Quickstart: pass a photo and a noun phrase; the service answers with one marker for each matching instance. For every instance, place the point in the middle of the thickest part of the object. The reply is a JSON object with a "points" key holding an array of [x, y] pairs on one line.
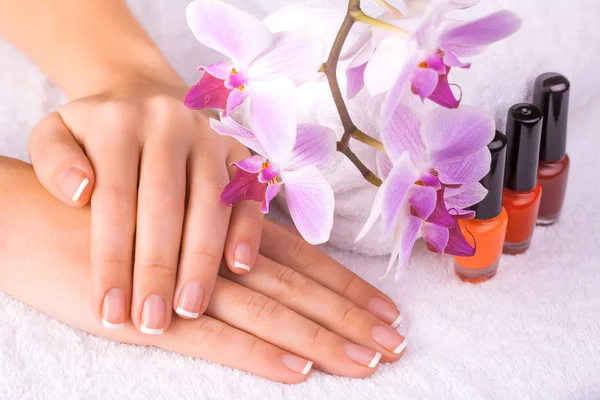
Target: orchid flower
{"points": [[265, 68], [383, 60], [432, 168], [260, 178]]}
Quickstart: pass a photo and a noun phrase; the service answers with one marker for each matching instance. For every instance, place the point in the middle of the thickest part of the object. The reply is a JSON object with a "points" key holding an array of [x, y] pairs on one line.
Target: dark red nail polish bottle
{"points": [[522, 191], [551, 95]]}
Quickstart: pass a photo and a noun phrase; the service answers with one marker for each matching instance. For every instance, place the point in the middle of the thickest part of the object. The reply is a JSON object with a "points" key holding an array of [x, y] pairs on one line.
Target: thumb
{"points": [[60, 163]]}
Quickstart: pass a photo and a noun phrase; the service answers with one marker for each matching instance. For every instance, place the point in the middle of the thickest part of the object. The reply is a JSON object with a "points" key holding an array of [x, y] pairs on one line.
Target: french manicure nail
{"points": [[296, 364], [362, 355], [389, 339], [72, 182], [242, 256], [153, 316], [190, 300], [385, 311], [113, 309]]}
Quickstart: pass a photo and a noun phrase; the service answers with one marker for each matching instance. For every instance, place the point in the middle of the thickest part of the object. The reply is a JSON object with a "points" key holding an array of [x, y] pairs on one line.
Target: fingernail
{"points": [[385, 311], [153, 316], [113, 309], [190, 300], [242, 256], [296, 364], [389, 339], [72, 182], [362, 355]]}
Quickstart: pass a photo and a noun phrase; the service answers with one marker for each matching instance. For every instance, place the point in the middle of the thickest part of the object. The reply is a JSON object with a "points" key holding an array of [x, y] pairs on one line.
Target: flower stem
{"points": [[360, 16], [387, 6], [350, 130]]}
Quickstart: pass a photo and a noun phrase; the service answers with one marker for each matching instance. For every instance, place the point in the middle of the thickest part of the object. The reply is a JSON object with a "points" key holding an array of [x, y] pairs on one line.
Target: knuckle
{"points": [[317, 338], [121, 113], [291, 283], [253, 347], [262, 308], [211, 331], [299, 249], [350, 316], [159, 272], [348, 288], [205, 257]]}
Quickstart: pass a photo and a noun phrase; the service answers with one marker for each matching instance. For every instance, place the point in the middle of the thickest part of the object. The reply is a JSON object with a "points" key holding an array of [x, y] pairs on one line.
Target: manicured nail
{"points": [[242, 256], [296, 364], [153, 316], [190, 300], [113, 309], [385, 311], [72, 182], [362, 355], [389, 339]]}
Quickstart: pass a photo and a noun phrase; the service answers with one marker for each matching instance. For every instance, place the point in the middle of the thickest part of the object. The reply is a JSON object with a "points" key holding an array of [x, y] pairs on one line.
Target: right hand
{"points": [[296, 307]]}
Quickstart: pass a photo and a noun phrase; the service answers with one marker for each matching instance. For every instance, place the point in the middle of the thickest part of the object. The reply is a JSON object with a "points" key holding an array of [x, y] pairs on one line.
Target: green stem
{"points": [[362, 17], [366, 139], [387, 6], [366, 172]]}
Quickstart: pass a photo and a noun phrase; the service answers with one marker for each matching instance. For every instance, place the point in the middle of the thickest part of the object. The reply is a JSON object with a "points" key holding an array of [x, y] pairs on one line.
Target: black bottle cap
{"points": [[491, 206], [551, 95], [523, 133]]}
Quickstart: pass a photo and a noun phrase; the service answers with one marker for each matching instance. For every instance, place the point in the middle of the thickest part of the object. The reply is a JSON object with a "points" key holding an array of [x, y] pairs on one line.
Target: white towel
{"points": [[530, 333]]}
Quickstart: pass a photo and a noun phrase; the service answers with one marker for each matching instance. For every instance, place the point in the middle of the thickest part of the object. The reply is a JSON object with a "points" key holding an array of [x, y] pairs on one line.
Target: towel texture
{"points": [[530, 333]]}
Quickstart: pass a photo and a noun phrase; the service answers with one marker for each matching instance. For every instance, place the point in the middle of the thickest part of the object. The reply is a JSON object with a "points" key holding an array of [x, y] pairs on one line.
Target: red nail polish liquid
{"points": [[522, 192], [551, 95]]}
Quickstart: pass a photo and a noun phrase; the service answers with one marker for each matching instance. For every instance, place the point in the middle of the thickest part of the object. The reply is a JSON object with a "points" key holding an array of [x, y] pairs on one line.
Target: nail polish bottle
{"points": [[488, 229], [522, 191], [551, 95]]}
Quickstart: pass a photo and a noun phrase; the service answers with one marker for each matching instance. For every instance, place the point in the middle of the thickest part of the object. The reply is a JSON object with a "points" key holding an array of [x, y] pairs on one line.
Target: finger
{"points": [[216, 341], [243, 238], [60, 163], [284, 247], [205, 230], [323, 306], [266, 318], [161, 202]]}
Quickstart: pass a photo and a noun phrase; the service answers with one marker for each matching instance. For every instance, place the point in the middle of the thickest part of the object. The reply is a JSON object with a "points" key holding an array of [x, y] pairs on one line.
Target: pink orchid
{"points": [[432, 171], [265, 69], [385, 62], [260, 178]]}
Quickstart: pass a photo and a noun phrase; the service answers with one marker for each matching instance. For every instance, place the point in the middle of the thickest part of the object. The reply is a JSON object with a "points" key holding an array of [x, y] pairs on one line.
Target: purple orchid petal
{"points": [[236, 81], [436, 236], [401, 133], [471, 38], [253, 165], [386, 63], [457, 244], [315, 145], [470, 169], [443, 95], [431, 180], [407, 240], [220, 70], [293, 55], [440, 215], [451, 135], [394, 95], [452, 61], [459, 214], [272, 191], [243, 186], [424, 82], [426, 33], [436, 63], [422, 200], [236, 99], [268, 174], [462, 4], [465, 196], [401, 179], [228, 127], [356, 80], [273, 117], [311, 202], [228, 30], [384, 164], [210, 92], [357, 46]]}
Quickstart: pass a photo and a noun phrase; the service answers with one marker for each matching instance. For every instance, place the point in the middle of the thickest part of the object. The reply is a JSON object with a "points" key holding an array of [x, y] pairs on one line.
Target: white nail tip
{"points": [[401, 347], [80, 190], [307, 368], [241, 266], [150, 331], [375, 360], [398, 321], [185, 313], [111, 326]]}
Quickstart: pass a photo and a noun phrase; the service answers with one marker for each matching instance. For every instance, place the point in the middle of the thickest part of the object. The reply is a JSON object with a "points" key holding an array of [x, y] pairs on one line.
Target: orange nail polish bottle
{"points": [[488, 229], [522, 191], [551, 95]]}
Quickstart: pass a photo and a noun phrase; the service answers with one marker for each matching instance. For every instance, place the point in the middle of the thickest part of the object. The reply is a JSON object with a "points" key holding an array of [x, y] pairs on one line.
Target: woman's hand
{"points": [[154, 172]]}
